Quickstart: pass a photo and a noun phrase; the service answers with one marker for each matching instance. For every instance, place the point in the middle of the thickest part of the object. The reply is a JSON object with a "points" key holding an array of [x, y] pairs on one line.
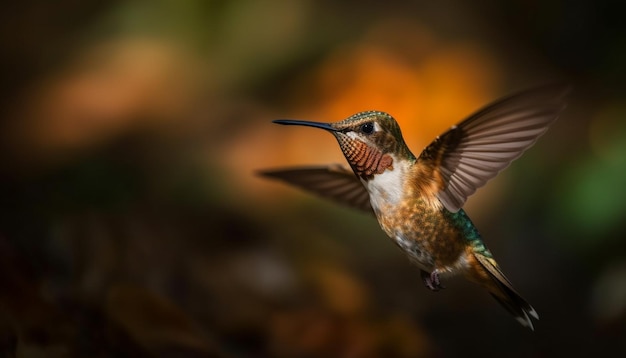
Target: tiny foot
{"points": [[431, 280]]}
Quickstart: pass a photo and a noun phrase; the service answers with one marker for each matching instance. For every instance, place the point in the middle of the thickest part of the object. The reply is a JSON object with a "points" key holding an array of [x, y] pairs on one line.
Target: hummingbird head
{"points": [[370, 141]]}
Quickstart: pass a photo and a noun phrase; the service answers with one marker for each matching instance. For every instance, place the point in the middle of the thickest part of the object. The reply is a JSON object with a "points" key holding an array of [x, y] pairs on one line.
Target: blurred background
{"points": [[132, 223]]}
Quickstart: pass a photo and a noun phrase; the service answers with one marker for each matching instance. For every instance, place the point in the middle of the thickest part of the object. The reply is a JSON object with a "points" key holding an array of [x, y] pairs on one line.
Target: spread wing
{"points": [[477, 149], [333, 182]]}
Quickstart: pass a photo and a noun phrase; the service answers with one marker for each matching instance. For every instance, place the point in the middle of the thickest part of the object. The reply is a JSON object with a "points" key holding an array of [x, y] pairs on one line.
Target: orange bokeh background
{"points": [[133, 222]]}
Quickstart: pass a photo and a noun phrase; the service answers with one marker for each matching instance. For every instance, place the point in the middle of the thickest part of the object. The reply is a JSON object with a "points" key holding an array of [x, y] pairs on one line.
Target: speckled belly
{"points": [[417, 253], [427, 235]]}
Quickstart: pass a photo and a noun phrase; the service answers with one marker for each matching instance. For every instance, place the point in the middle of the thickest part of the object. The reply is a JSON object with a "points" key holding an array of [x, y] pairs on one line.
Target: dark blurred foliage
{"points": [[132, 224]]}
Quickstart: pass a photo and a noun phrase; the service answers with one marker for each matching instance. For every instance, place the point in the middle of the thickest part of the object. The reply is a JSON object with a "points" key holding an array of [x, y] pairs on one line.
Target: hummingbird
{"points": [[418, 200]]}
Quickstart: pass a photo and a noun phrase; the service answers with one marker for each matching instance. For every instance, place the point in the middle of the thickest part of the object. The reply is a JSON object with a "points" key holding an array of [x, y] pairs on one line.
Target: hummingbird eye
{"points": [[367, 128]]}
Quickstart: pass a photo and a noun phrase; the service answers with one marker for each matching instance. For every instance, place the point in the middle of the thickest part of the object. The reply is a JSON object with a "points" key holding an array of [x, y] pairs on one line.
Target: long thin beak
{"points": [[293, 122]]}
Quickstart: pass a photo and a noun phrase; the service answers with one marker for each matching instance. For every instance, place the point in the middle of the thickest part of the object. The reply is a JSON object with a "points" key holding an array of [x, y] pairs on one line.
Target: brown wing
{"points": [[478, 148], [333, 182]]}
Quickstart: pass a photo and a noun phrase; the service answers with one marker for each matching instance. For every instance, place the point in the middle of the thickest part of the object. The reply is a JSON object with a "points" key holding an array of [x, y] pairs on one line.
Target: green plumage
{"points": [[469, 231]]}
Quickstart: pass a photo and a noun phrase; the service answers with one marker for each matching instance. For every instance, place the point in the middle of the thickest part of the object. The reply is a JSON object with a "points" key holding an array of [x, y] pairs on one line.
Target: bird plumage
{"points": [[418, 200]]}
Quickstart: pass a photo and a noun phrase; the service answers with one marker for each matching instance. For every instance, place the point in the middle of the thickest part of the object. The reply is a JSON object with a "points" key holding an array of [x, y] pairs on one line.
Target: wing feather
{"points": [[478, 148], [333, 182]]}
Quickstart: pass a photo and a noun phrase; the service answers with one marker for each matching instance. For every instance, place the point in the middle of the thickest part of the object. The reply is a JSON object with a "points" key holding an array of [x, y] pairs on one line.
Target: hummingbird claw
{"points": [[431, 280]]}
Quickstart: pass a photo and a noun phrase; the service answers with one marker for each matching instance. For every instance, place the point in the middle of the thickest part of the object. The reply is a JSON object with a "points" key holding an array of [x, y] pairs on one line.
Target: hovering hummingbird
{"points": [[418, 200]]}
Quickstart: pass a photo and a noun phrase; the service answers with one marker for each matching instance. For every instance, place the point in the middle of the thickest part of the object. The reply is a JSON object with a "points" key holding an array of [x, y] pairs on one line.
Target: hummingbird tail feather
{"points": [[502, 290]]}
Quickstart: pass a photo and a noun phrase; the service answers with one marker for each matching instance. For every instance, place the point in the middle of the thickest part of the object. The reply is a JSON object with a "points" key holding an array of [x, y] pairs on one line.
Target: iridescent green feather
{"points": [[470, 233]]}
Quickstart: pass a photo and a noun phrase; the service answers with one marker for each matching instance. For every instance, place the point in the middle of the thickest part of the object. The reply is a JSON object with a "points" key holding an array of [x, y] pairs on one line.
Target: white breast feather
{"points": [[387, 188]]}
